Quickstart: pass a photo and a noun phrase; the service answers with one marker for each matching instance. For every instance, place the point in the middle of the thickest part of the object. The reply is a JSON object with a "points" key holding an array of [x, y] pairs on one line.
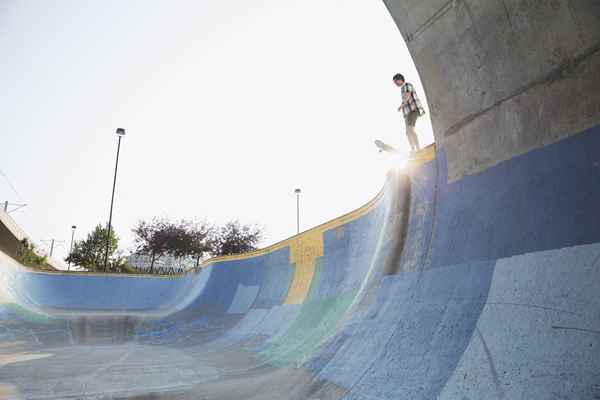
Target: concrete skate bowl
{"points": [[474, 274]]}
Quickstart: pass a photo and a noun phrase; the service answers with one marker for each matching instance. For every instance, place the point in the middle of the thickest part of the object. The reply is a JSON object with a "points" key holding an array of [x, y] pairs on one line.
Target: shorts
{"points": [[411, 118]]}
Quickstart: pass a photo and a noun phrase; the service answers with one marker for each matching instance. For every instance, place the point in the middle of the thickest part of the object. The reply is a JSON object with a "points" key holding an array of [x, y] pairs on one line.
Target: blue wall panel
{"points": [[538, 201]]}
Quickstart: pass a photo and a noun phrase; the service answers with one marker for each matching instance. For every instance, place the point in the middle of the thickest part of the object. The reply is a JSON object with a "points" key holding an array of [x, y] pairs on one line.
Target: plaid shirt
{"points": [[413, 104]]}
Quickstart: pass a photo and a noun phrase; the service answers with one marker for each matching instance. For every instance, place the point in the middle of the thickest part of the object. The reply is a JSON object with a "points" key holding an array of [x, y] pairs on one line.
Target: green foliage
{"points": [[28, 257], [90, 253], [235, 238], [197, 239], [122, 266], [179, 239]]}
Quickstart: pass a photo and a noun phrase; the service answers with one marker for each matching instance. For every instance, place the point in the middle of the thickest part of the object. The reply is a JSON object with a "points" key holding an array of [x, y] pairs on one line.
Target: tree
{"points": [[28, 256], [193, 238], [179, 239], [150, 238], [90, 253], [235, 238], [201, 239]]}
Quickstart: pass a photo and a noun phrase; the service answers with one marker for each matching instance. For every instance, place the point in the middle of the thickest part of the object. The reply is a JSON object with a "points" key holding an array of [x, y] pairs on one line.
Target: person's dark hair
{"points": [[399, 77]]}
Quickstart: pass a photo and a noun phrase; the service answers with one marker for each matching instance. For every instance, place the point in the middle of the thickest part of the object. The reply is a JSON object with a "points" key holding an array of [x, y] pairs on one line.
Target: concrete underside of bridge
{"points": [[474, 274]]}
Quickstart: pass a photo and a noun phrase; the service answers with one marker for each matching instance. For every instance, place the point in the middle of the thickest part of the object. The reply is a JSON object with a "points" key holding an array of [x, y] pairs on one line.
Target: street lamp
{"points": [[120, 133], [297, 191], [71, 250]]}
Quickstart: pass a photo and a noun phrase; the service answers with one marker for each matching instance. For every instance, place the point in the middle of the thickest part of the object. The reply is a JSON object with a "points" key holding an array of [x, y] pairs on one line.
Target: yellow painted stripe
{"points": [[424, 155], [304, 251]]}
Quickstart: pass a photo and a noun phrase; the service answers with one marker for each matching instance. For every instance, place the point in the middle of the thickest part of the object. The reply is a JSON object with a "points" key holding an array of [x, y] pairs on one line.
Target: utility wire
{"points": [[12, 186]]}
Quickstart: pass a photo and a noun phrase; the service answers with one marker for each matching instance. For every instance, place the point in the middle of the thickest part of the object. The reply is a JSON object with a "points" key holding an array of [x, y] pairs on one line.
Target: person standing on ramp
{"points": [[411, 109]]}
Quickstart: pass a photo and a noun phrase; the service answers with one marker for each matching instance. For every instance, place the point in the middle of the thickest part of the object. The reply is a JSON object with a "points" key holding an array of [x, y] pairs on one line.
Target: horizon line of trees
{"points": [[158, 237]]}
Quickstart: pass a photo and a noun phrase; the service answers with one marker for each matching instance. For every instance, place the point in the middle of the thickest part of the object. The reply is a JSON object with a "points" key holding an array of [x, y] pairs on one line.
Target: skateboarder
{"points": [[411, 109]]}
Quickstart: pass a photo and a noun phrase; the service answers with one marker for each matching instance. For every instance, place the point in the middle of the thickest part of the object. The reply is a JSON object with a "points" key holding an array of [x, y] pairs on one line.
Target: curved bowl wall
{"points": [[474, 274]]}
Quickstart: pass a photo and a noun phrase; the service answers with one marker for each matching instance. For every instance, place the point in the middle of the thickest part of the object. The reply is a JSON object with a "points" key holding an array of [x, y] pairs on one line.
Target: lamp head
{"points": [[73, 227], [297, 191], [120, 131]]}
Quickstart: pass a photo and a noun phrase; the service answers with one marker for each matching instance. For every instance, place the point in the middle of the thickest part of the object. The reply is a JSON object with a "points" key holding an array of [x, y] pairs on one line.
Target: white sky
{"points": [[228, 106]]}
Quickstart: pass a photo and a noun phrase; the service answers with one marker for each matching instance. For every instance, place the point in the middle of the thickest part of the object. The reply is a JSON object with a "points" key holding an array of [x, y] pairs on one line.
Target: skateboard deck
{"points": [[400, 155], [384, 147]]}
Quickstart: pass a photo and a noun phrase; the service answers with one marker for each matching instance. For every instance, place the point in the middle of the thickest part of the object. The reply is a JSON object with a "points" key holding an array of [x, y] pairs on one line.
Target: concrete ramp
{"points": [[423, 293], [474, 274]]}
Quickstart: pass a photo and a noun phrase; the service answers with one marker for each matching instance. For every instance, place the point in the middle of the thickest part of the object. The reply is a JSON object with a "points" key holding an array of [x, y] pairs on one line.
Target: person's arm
{"points": [[407, 95], [406, 98]]}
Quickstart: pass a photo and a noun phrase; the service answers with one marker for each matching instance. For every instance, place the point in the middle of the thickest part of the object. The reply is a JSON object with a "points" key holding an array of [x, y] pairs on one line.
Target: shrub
{"points": [[28, 256]]}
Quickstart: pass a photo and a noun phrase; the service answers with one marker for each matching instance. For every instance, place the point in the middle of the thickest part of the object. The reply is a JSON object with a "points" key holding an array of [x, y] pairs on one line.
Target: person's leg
{"points": [[411, 133], [410, 137], [407, 130], [415, 137]]}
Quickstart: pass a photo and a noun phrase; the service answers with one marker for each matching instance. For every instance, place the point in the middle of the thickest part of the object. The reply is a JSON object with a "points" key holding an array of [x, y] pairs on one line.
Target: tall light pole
{"points": [[53, 243], [297, 191], [71, 249], [120, 133]]}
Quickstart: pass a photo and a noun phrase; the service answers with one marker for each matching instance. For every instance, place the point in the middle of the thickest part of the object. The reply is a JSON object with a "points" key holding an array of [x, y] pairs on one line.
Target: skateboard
{"points": [[384, 147], [397, 154]]}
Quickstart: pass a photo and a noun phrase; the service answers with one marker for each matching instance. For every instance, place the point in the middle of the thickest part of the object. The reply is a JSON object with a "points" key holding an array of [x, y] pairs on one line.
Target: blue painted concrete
{"points": [[348, 254], [100, 292], [431, 332], [244, 297], [545, 199], [273, 267]]}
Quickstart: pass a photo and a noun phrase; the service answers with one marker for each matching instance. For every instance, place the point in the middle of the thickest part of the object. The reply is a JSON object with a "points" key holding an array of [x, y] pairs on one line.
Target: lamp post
{"points": [[120, 133], [297, 191], [71, 249]]}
